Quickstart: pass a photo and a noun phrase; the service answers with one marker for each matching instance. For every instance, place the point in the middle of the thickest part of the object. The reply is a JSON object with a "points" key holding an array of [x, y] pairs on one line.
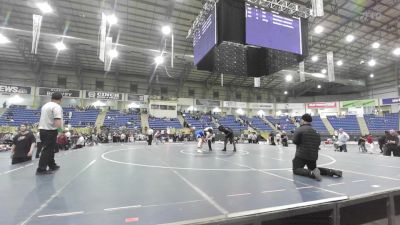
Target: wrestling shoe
{"points": [[316, 174]]}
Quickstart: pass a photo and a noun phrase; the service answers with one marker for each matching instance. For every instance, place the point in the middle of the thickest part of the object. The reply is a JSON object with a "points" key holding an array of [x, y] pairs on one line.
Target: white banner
{"points": [[229, 104], [261, 105], [37, 24], [103, 33], [290, 106], [331, 67], [257, 81], [241, 105]]}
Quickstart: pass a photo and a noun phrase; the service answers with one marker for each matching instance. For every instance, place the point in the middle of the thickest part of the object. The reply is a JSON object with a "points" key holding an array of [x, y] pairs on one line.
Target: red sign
{"points": [[321, 105]]}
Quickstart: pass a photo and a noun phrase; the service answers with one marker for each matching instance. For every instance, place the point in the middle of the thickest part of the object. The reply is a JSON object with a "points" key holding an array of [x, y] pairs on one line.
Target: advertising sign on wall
{"points": [[321, 105], [65, 92], [104, 95], [12, 89], [358, 103], [390, 101], [261, 105], [133, 97], [229, 104], [207, 102]]}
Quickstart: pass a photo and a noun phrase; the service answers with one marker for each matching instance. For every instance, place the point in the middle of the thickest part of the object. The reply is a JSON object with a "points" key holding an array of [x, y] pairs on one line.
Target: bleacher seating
{"points": [[19, 115], [163, 124], [259, 124], [202, 122], [319, 125], [31, 116], [349, 124], [284, 121], [116, 119], [230, 121], [379, 124]]}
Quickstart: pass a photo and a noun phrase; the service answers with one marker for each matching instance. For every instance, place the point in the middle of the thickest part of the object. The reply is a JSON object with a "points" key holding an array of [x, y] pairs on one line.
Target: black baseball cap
{"points": [[56, 96]]}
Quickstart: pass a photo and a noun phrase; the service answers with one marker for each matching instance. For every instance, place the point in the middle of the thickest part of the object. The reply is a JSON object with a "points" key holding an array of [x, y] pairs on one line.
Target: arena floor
{"points": [[173, 184]]}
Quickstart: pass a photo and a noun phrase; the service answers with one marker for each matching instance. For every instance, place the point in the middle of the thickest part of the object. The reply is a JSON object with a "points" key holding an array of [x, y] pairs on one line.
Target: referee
{"points": [[51, 120]]}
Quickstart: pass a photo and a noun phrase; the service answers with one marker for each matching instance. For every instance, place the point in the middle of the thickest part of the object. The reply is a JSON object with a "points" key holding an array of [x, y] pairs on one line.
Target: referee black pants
{"points": [[49, 143]]}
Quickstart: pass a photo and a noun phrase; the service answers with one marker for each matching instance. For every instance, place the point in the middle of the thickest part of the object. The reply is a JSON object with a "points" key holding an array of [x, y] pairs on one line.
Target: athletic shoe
{"points": [[46, 172], [316, 174], [337, 173], [234, 150], [210, 150], [224, 150], [199, 151], [54, 168]]}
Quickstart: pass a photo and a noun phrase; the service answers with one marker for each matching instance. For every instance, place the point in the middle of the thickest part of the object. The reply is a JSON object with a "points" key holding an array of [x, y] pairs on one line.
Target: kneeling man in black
{"points": [[307, 142]]}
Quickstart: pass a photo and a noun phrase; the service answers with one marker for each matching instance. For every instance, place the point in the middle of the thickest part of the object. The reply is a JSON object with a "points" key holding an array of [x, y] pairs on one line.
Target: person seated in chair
{"points": [[307, 142]]}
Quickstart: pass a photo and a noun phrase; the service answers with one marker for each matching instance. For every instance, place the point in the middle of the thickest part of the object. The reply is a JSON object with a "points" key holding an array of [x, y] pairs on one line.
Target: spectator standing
{"points": [[38, 144], [62, 141], [342, 140], [391, 143]]}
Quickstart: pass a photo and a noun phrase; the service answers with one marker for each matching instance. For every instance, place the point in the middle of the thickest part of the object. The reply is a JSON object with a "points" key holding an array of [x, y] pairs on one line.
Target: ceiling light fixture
{"points": [[323, 71], [112, 19], [396, 52], [376, 45], [315, 58], [371, 75], [319, 29], [339, 63], [60, 46], [166, 30], [4, 39], [113, 53], [372, 62], [350, 38], [159, 60], [285, 92], [44, 7], [319, 86], [288, 78]]}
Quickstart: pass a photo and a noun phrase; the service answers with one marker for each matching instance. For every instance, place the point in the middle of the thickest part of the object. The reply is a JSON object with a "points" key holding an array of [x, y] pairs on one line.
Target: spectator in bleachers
{"points": [[391, 143], [342, 140], [23, 145]]}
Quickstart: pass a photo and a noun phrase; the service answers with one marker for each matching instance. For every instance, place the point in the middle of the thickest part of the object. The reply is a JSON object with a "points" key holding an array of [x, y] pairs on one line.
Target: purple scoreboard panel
{"points": [[270, 30], [205, 38]]}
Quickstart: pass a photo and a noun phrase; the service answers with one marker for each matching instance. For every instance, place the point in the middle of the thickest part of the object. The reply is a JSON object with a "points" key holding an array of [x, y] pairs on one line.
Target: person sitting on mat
{"points": [[23, 145], [228, 136], [307, 142]]}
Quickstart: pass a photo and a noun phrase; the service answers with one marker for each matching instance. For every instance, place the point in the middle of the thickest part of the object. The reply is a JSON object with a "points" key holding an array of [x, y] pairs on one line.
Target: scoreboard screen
{"points": [[271, 30], [205, 38]]}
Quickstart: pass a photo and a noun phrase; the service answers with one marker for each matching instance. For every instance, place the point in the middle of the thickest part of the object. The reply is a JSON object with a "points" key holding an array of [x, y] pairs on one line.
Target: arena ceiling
{"points": [[140, 39]]}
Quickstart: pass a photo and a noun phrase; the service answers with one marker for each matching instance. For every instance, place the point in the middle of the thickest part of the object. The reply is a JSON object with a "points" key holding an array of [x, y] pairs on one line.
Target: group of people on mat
{"points": [[207, 134], [306, 139]]}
